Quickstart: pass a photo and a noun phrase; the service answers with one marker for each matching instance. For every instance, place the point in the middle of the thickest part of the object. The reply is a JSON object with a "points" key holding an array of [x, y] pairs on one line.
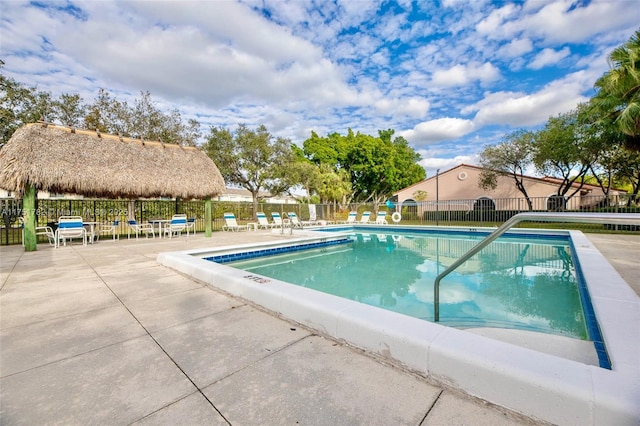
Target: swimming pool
{"points": [[498, 366], [525, 282]]}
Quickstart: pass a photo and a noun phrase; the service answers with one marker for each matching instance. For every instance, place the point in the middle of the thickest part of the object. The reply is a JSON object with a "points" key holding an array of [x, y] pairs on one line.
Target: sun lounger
{"points": [[381, 218], [231, 224]]}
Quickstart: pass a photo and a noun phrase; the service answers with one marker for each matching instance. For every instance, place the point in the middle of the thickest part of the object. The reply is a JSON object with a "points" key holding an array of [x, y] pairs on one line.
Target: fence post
{"points": [[207, 217], [29, 205]]}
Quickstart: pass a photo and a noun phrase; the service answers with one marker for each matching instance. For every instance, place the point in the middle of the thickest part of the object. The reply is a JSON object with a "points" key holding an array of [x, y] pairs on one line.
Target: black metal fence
{"points": [[477, 212]]}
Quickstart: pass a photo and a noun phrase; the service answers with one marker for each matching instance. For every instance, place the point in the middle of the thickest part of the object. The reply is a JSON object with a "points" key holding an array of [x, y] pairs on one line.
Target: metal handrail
{"points": [[600, 218]]}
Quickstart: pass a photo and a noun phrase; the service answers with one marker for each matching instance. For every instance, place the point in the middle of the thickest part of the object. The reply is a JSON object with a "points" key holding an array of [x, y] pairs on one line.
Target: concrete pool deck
{"points": [[103, 334]]}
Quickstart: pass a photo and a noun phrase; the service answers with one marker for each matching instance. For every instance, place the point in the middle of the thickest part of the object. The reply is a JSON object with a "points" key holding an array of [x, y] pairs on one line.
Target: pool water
{"points": [[526, 283]]}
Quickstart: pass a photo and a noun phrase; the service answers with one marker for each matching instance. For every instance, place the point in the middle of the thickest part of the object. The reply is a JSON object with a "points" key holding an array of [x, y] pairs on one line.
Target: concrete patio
{"points": [[104, 335]]}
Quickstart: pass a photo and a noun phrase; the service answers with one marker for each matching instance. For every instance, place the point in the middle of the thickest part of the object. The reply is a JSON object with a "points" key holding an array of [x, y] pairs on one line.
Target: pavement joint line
{"points": [[269, 354], [435, 401], [156, 342], [73, 356], [12, 269]]}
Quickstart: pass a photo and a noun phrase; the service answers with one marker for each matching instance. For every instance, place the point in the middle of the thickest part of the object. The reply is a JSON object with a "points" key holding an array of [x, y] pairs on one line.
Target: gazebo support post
{"points": [[29, 216], [207, 217]]}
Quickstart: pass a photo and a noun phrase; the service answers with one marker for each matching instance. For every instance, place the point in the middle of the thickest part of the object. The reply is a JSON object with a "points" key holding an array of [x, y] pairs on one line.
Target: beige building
{"points": [[457, 189]]}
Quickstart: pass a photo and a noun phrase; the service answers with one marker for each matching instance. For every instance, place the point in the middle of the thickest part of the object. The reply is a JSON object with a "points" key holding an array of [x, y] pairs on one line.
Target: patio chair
{"points": [[137, 228], [231, 224], [40, 230], [364, 219], [277, 220], [175, 227], [263, 222], [313, 216], [191, 225], [381, 218], [70, 227], [293, 218], [351, 219], [109, 229]]}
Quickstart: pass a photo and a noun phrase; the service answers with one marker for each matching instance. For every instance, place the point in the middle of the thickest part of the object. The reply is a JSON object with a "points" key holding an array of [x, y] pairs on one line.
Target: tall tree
{"points": [[69, 110], [20, 105], [509, 158], [628, 170], [602, 141], [109, 115], [377, 166], [618, 89], [561, 151], [252, 159]]}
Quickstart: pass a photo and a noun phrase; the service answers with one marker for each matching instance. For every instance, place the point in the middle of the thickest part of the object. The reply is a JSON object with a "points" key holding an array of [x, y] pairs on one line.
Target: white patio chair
{"points": [[40, 230], [231, 224], [351, 219], [110, 228], [175, 227], [263, 222], [70, 227], [138, 228], [364, 219], [191, 225], [277, 220], [313, 216], [295, 222], [381, 218]]}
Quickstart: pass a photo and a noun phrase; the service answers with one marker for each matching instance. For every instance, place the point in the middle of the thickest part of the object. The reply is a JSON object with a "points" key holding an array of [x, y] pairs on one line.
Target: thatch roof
{"points": [[65, 160]]}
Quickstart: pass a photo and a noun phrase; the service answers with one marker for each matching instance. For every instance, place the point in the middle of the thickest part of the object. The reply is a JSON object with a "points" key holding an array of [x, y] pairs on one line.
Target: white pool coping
{"points": [[536, 384]]}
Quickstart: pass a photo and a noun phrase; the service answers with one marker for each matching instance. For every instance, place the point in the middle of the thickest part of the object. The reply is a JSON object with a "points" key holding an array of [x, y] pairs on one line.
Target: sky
{"points": [[450, 76]]}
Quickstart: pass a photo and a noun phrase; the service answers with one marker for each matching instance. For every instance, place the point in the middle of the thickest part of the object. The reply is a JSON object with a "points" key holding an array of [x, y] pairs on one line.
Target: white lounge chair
{"points": [[263, 222], [277, 220], [381, 218], [137, 228], [295, 222], [313, 216], [231, 224], [70, 227], [351, 219], [364, 219], [175, 227]]}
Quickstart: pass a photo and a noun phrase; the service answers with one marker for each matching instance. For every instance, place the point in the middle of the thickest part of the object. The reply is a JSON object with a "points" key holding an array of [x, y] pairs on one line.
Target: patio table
{"points": [[160, 223]]}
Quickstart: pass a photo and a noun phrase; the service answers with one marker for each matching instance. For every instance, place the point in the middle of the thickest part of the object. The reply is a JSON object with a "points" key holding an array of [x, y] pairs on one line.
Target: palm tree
{"points": [[618, 96]]}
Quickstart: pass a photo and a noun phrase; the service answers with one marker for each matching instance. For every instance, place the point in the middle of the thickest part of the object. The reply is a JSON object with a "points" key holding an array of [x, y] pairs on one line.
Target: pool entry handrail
{"points": [[598, 218]]}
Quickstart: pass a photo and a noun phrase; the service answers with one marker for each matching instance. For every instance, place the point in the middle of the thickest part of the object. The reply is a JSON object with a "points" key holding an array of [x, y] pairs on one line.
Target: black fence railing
{"points": [[472, 212]]}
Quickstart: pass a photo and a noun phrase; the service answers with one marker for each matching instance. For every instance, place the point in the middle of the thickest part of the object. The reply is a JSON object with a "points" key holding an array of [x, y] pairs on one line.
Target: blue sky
{"points": [[451, 76]]}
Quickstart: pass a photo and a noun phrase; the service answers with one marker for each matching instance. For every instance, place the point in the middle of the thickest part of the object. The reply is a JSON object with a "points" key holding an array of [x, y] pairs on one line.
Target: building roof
{"points": [[65, 160], [546, 179]]}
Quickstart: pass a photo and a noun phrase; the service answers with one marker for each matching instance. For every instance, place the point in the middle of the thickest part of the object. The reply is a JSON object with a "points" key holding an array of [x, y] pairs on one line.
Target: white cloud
{"points": [[493, 23], [437, 130], [548, 57], [559, 21], [412, 107], [460, 75], [517, 47], [522, 109]]}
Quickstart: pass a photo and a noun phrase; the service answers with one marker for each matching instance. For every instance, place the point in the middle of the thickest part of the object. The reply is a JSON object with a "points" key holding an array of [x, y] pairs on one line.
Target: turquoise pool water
{"points": [[524, 283]]}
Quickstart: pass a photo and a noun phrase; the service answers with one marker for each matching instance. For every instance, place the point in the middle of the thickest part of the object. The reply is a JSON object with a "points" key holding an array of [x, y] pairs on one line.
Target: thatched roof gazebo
{"points": [[66, 160]]}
